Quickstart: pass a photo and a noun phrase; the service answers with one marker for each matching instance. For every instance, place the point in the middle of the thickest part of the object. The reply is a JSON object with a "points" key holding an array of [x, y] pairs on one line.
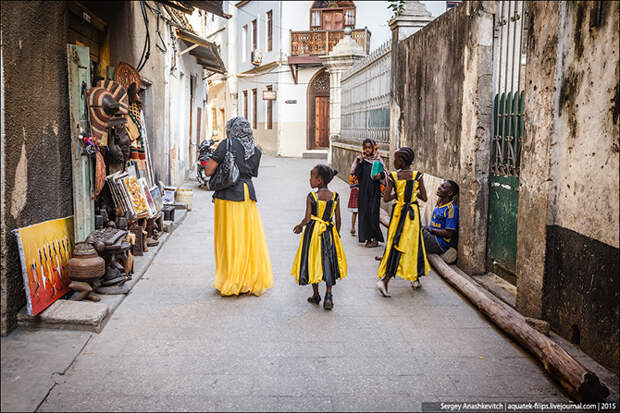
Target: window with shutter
{"points": [[269, 30], [270, 111], [315, 22], [254, 108], [349, 17], [254, 35]]}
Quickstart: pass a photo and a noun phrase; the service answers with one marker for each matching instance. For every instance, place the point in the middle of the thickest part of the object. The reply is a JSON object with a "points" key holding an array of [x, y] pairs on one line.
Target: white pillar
{"points": [[341, 58]]}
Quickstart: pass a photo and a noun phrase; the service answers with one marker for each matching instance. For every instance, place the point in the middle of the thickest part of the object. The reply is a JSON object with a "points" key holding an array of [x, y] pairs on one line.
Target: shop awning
{"points": [[187, 6], [258, 69], [205, 52]]}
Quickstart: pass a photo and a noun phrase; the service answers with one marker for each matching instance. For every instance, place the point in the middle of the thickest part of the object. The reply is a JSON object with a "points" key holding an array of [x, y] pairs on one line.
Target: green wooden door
{"points": [[78, 63], [504, 182]]}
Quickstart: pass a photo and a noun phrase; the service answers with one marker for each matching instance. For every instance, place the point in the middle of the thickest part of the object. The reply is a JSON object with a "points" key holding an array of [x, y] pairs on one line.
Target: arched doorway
{"points": [[318, 110]]}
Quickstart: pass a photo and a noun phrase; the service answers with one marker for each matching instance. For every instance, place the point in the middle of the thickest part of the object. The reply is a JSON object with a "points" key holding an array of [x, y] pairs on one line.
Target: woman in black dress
{"points": [[369, 201]]}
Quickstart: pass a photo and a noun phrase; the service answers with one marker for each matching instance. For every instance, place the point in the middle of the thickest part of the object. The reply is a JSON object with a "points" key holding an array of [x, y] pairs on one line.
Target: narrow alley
{"points": [[175, 344], [120, 121]]}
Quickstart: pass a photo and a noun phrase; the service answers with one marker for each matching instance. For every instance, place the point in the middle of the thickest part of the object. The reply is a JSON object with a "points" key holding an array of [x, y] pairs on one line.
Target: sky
{"points": [[379, 28]]}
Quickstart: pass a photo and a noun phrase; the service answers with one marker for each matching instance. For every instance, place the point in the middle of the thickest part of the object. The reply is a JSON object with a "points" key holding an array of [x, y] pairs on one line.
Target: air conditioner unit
{"points": [[257, 57]]}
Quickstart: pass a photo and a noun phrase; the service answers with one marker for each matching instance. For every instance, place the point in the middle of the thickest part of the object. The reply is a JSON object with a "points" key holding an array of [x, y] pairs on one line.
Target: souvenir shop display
{"points": [[137, 198], [111, 244], [85, 269], [156, 196], [147, 195], [169, 195], [125, 193]]}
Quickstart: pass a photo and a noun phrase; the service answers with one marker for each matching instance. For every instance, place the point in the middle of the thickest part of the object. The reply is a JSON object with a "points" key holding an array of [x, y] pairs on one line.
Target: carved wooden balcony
{"points": [[321, 42]]}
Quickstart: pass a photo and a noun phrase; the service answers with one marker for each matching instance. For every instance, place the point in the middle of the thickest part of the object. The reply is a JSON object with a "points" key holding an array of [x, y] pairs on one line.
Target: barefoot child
{"points": [[320, 256], [404, 251]]}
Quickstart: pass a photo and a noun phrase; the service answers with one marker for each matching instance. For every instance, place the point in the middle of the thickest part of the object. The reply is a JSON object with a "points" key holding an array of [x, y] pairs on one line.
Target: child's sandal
{"points": [[314, 300], [328, 304]]}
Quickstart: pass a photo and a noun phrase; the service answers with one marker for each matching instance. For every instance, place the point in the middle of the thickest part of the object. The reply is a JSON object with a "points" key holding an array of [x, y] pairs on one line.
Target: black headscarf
{"points": [[239, 128]]}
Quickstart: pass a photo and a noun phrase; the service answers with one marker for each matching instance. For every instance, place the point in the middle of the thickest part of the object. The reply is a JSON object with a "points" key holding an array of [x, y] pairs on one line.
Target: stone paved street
{"points": [[175, 344]]}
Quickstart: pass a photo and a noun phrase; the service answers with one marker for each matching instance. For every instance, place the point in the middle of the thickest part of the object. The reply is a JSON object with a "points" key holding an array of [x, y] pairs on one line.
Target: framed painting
{"points": [[44, 250], [156, 196], [147, 195], [138, 201]]}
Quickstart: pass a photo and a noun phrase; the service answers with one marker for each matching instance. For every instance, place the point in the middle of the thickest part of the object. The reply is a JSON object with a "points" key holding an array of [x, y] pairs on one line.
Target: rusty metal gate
{"points": [[507, 131]]}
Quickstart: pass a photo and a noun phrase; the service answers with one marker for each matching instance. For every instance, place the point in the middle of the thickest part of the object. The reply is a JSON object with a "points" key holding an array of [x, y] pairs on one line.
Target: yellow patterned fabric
{"points": [[404, 255], [242, 263]]}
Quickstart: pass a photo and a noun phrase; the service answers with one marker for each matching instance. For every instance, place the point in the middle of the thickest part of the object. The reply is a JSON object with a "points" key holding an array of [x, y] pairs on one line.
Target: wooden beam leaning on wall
{"points": [[579, 382]]}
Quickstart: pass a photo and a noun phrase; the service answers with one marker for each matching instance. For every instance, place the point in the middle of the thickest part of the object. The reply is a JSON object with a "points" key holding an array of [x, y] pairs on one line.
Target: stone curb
{"points": [[92, 316]]}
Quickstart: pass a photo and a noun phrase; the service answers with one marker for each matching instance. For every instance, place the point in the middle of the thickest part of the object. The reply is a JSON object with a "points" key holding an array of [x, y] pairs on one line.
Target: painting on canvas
{"points": [[44, 250]]}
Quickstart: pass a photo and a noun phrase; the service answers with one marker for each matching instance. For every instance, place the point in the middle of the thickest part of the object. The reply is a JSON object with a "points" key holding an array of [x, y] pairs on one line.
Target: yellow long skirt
{"points": [[242, 263]]}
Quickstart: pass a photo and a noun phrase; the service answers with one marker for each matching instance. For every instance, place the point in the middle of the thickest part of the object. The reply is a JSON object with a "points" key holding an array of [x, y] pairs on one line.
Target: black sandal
{"points": [[314, 300], [328, 304]]}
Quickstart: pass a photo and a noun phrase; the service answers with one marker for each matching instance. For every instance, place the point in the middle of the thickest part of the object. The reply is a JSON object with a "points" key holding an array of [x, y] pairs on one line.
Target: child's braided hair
{"points": [[325, 173]]}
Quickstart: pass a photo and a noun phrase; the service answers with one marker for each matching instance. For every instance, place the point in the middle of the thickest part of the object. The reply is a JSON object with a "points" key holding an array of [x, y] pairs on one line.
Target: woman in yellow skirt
{"points": [[242, 263], [320, 256], [404, 254]]}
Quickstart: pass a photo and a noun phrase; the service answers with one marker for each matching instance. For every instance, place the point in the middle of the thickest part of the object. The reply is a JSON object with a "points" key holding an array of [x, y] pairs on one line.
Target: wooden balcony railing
{"points": [[321, 42]]}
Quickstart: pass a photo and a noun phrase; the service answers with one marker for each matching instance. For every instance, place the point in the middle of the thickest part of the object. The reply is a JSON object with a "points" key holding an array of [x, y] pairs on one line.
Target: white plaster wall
{"points": [[584, 157], [181, 164], [292, 120], [244, 16], [216, 99], [266, 138]]}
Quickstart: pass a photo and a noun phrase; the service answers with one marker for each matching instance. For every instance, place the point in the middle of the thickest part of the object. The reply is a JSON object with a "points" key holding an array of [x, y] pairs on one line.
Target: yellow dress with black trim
{"points": [[320, 256], [404, 254], [242, 263]]}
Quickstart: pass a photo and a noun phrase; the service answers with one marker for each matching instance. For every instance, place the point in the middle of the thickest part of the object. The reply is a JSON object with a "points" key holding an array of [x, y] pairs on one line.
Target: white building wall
{"points": [[289, 134], [180, 130], [257, 10], [292, 133]]}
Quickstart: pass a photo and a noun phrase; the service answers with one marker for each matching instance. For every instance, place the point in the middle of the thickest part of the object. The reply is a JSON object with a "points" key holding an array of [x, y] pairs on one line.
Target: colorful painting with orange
{"points": [[44, 251]]}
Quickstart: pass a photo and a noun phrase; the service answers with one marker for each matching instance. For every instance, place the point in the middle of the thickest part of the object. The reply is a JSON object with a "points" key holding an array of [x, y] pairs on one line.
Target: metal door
{"points": [[507, 133], [321, 122]]}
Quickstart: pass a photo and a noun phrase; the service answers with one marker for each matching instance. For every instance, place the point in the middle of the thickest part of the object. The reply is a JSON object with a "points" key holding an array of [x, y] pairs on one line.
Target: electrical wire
{"points": [[163, 49], [146, 51]]}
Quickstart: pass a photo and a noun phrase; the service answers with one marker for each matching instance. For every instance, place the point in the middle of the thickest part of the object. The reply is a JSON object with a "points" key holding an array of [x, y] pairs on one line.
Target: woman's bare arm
{"points": [[443, 233], [210, 167], [389, 195], [338, 220], [307, 219], [422, 190]]}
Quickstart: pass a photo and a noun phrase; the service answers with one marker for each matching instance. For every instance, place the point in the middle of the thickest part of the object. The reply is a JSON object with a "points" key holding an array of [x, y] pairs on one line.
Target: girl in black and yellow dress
{"points": [[320, 256], [404, 251]]}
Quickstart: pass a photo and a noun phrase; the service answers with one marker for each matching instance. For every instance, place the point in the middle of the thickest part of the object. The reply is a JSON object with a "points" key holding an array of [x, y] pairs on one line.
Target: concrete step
{"points": [[318, 154], [499, 287]]}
